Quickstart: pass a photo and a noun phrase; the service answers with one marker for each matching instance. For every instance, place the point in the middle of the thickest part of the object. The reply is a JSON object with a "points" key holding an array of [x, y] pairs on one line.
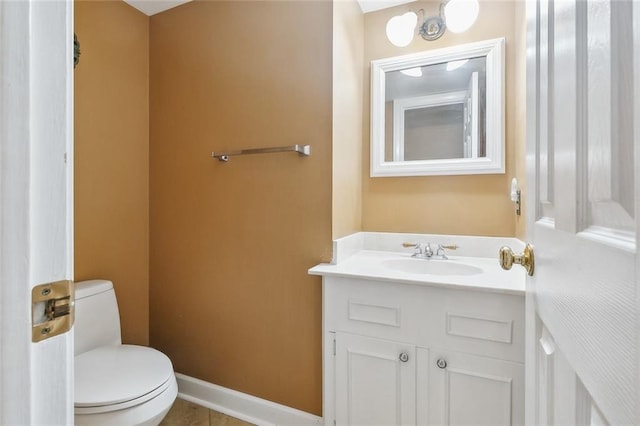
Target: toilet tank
{"points": [[97, 321]]}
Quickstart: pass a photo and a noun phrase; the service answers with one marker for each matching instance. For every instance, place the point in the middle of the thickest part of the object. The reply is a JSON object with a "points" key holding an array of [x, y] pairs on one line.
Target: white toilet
{"points": [[115, 384]]}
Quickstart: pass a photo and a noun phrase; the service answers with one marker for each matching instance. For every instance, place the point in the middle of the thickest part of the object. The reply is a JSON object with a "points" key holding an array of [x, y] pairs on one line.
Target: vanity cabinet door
{"points": [[474, 390], [375, 381]]}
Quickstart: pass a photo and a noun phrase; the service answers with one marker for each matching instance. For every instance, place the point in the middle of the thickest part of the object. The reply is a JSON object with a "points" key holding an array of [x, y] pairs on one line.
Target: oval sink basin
{"points": [[432, 267]]}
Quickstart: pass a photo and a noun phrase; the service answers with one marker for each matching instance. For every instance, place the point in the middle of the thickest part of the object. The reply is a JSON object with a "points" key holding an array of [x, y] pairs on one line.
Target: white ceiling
{"points": [[151, 7], [371, 5]]}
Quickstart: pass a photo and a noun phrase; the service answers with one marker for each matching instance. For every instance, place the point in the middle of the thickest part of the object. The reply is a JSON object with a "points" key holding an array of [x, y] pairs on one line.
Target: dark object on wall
{"points": [[76, 50]]}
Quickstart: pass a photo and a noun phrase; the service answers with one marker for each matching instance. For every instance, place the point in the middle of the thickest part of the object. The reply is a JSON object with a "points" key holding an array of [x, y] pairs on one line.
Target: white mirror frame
{"points": [[493, 163]]}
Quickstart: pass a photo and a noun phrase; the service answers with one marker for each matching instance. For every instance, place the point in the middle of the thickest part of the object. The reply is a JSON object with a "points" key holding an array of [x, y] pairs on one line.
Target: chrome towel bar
{"points": [[303, 150]]}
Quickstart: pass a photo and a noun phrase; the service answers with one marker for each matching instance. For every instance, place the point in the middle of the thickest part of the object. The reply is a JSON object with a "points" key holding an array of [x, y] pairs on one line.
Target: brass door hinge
{"points": [[52, 309]]}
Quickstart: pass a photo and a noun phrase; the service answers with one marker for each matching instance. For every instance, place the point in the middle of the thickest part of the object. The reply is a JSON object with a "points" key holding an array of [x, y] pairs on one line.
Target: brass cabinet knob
{"points": [[526, 259]]}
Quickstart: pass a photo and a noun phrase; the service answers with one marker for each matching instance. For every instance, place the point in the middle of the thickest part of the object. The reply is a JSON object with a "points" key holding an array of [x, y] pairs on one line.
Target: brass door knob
{"points": [[526, 259]]}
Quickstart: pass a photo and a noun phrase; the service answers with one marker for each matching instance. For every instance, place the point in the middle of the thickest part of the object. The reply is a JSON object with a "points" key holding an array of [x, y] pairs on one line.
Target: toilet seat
{"points": [[116, 377]]}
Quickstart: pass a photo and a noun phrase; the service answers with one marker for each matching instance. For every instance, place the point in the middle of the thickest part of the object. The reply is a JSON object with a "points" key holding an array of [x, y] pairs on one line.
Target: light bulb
{"points": [[400, 29], [412, 72], [460, 14]]}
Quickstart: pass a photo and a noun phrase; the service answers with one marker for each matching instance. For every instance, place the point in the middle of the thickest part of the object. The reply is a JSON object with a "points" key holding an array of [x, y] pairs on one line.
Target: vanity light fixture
{"points": [[400, 29], [456, 15], [461, 14]]}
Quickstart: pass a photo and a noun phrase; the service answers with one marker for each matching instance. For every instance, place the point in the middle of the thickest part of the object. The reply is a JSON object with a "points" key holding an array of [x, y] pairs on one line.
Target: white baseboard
{"points": [[240, 405]]}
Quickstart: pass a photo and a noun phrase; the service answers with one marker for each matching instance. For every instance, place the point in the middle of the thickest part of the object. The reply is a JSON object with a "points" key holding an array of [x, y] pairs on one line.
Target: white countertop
{"points": [[370, 265]]}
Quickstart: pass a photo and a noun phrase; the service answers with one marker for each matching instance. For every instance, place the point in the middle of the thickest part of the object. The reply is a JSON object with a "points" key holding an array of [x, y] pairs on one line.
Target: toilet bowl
{"points": [[115, 384]]}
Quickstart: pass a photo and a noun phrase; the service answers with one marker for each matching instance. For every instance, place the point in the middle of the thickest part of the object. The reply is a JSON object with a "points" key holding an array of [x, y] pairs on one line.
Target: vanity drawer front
{"points": [[488, 324], [383, 310]]}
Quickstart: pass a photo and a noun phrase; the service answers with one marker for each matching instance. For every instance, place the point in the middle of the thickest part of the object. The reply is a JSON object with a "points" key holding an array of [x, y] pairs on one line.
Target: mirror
{"points": [[439, 112]]}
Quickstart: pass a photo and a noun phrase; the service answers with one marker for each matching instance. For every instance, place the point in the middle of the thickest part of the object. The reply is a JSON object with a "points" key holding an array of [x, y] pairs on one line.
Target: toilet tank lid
{"points": [[92, 287]]}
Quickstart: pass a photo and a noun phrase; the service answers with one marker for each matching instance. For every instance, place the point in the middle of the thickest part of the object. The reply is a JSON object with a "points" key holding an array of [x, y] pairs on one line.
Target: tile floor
{"points": [[185, 413]]}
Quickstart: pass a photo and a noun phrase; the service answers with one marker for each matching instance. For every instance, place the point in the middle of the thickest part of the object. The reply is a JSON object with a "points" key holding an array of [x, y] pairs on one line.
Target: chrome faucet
{"points": [[422, 250], [427, 251]]}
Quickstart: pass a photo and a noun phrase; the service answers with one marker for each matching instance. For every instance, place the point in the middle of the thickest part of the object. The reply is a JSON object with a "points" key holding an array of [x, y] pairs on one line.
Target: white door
{"points": [[36, 213], [375, 381], [583, 140]]}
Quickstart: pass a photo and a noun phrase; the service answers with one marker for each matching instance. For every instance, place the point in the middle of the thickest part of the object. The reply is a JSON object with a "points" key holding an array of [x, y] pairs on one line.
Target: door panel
{"points": [[581, 153], [563, 399], [373, 386], [609, 162]]}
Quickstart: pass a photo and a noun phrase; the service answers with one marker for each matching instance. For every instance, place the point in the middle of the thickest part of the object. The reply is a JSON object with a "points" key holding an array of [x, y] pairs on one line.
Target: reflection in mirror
{"points": [[436, 111], [439, 112]]}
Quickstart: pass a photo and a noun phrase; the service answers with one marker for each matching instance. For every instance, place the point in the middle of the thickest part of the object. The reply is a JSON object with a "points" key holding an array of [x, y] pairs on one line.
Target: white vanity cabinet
{"points": [[407, 354]]}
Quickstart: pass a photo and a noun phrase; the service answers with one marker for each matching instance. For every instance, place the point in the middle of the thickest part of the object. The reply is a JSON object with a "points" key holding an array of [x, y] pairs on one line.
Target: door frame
{"points": [[36, 204]]}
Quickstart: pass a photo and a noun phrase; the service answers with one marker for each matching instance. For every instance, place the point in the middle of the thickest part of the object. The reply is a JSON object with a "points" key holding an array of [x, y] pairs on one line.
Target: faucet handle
{"points": [[442, 247], [419, 249], [427, 251]]}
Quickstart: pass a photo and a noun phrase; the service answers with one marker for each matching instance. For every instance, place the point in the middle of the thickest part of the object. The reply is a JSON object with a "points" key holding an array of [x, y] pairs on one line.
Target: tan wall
{"points": [[111, 156], [348, 66], [231, 302], [474, 205]]}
